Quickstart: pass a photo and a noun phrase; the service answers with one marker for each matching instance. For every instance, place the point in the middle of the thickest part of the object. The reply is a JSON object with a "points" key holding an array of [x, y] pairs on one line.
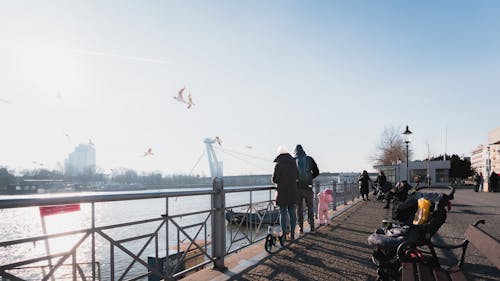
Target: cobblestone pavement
{"points": [[340, 251]]}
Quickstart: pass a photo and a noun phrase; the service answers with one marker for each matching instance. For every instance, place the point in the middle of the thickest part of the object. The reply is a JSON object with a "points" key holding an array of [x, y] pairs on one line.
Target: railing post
{"points": [[345, 193], [352, 192], [316, 200], [334, 195], [218, 224]]}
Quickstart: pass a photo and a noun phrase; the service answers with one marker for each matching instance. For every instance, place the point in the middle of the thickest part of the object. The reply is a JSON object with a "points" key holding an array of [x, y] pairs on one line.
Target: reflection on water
{"points": [[26, 222]]}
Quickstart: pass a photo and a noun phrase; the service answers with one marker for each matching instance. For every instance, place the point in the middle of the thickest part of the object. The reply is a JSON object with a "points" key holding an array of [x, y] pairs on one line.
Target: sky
{"points": [[330, 75]]}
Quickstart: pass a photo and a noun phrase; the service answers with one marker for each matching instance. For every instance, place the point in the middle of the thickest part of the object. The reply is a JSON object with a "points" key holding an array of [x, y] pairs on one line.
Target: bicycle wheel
{"points": [[268, 246]]}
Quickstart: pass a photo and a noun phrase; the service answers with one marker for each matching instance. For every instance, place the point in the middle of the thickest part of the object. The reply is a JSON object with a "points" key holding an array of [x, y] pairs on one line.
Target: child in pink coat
{"points": [[325, 198]]}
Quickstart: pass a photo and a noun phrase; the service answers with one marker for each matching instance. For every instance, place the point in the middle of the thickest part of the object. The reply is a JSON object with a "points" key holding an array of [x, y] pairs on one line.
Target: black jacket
{"points": [[381, 180], [285, 177]]}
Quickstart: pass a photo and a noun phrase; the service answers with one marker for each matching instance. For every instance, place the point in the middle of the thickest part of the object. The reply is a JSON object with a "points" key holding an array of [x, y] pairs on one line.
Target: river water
{"points": [[21, 223]]}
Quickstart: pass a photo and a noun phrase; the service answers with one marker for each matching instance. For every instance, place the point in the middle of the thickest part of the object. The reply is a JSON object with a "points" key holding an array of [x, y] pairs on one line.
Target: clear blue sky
{"points": [[327, 74]]}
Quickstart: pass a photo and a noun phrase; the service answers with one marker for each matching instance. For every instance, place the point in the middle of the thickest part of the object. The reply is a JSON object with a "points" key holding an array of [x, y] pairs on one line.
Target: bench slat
{"points": [[424, 271], [456, 274], [440, 274], [484, 243], [408, 272]]}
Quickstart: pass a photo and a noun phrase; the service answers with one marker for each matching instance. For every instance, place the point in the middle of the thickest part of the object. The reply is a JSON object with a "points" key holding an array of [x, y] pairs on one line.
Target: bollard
{"points": [[334, 195], [218, 225]]}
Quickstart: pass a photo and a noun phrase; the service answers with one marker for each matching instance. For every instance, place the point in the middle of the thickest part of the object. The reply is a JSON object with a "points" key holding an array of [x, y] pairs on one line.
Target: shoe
{"points": [[364, 199], [386, 207], [313, 228], [367, 199], [292, 236], [301, 231]]}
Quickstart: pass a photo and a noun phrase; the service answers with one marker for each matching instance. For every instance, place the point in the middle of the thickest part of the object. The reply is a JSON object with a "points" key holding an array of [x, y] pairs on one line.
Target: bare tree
{"points": [[391, 147]]}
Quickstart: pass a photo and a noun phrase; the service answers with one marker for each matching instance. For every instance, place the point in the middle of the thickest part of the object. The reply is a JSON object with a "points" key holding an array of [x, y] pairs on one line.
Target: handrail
{"points": [[48, 199], [211, 219]]}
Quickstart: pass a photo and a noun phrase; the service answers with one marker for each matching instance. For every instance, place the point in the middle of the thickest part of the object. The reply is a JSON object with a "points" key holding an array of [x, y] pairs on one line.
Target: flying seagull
{"points": [[148, 152], [218, 140], [190, 101], [180, 96]]}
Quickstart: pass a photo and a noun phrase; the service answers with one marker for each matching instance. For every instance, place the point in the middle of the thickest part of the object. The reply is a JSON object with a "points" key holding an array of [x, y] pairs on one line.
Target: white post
{"points": [[47, 246]]}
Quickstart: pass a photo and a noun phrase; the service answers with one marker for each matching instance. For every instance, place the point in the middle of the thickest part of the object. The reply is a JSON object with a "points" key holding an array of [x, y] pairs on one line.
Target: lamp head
{"points": [[407, 134]]}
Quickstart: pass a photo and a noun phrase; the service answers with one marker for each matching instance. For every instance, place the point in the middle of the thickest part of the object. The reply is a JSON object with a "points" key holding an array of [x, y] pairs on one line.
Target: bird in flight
{"points": [[190, 101], [180, 96], [148, 152], [38, 163], [3, 100], [218, 140]]}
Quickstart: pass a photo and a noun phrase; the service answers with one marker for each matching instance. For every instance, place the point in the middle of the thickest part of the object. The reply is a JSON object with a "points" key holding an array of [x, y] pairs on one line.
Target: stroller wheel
{"points": [[282, 240], [268, 245]]}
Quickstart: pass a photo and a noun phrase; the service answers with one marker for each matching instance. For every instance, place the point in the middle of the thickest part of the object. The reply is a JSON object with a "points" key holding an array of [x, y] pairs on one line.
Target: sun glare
{"points": [[49, 68], [61, 223]]}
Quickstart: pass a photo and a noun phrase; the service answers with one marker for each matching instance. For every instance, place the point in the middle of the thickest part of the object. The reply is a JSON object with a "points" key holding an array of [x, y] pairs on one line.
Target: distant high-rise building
{"points": [[81, 161]]}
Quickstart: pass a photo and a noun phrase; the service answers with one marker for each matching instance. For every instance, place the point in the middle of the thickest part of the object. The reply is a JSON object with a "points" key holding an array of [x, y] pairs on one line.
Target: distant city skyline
{"points": [[329, 75]]}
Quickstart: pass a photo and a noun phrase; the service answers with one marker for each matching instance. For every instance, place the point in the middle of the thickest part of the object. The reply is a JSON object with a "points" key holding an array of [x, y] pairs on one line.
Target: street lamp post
{"points": [[488, 169], [407, 133]]}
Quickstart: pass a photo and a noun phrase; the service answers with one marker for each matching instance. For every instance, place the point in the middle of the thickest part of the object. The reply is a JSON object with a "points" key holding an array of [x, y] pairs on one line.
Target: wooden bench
{"points": [[428, 268]]}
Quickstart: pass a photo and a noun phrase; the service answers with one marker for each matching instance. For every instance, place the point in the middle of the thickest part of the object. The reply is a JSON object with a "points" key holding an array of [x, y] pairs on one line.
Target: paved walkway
{"points": [[340, 251]]}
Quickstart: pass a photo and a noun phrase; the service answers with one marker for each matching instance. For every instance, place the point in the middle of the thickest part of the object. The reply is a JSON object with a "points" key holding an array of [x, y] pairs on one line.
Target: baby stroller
{"points": [[414, 223], [274, 234]]}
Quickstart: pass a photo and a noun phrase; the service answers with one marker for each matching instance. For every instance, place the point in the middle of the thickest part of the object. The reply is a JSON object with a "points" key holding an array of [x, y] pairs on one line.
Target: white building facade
{"points": [[478, 159], [485, 159], [437, 171], [82, 161]]}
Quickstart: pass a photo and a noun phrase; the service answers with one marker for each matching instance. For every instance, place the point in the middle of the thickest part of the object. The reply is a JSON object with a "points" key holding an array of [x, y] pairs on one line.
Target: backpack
{"points": [[303, 165]]}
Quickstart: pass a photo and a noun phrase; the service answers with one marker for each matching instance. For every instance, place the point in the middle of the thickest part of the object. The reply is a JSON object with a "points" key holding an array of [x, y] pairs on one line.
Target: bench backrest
{"points": [[486, 244]]}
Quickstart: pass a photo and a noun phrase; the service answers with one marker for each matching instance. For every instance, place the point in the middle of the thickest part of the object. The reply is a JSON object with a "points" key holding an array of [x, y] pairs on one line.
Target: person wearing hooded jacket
{"points": [[364, 181], [285, 178], [309, 168]]}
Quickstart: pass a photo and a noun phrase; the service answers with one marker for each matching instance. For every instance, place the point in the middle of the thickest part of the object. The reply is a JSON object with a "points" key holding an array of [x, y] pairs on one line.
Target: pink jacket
{"points": [[325, 198]]}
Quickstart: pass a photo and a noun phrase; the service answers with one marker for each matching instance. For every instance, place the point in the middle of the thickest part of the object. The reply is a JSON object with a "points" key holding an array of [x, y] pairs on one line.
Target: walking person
{"points": [[364, 180], [307, 171], [478, 180], [493, 182], [381, 182], [285, 178]]}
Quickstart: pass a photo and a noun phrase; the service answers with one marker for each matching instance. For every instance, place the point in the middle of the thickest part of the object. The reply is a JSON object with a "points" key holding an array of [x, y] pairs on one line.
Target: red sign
{"points": [[52, 210]]}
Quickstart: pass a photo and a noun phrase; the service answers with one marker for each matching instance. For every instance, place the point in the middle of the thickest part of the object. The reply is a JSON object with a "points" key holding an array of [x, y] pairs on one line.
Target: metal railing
{"points": [[157, 248]]}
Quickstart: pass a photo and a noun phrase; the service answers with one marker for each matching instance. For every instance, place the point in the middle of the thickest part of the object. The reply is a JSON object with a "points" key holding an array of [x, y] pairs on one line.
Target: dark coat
{"points": [[381, 180], [364, 180], [285, 177]]}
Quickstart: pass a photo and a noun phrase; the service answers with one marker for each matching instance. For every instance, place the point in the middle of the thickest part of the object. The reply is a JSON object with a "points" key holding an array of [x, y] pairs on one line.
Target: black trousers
{"points": [[305, 194]]}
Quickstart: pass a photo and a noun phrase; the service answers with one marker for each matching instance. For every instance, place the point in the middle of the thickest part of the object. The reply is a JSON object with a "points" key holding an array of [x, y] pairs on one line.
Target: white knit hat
{"points": [[282, 150]]}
